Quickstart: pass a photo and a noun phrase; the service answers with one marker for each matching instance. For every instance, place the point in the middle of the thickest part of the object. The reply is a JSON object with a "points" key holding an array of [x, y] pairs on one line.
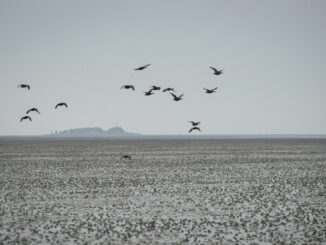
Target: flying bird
{"points": [[25, 117], [33, 109], [168, 89], [142, 67], [150, 92], [24, 86], [126, 156], [210, 91], [176, 98], [155, 87], [216, 72], [194, 128], [194, 123], [128, 87], [61, 104]]}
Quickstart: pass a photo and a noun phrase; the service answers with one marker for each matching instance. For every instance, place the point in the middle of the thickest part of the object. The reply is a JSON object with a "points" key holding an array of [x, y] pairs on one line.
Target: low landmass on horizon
{"points": [[94, 132]]}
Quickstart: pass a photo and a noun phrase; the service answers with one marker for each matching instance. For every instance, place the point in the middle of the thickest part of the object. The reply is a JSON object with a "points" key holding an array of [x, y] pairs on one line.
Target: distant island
{"points": [[94, 132]]}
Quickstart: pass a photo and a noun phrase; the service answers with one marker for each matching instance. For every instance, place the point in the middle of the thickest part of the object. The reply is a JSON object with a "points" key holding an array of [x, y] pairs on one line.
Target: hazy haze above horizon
{"points": [[81, 52]]}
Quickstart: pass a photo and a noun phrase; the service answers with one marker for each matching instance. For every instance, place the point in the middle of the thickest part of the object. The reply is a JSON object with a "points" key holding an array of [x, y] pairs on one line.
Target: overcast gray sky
{"points": [[272, 52]]}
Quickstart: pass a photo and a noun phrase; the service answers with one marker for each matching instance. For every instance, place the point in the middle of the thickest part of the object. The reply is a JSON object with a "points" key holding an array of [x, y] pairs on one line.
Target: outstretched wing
{"points": [[19, 85], [132, 87], [174, 96], [142, 67], [214, 89], [28, 87], [65, 104], [181, 96], [124, 86], [214, 69], [28, 111], [57, 106], [190, 130]]}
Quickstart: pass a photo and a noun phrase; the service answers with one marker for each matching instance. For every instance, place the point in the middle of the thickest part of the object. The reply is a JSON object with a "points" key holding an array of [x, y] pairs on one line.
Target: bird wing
{"points": [[29, 118], [21, 119], [132, 87], [192, 122], [214, 69], [28, 111], [147, 65], [123, 86], [190, 130], [198, 129], [65, 104], [181, 96], [214, 89], [28, 87], [206, 89], [19, 85], [56, 106], [174, 96], [37, 111]]}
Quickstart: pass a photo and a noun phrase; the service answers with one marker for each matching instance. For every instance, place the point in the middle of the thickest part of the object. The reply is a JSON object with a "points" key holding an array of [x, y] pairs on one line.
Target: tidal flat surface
{"points": [[204, 191]]}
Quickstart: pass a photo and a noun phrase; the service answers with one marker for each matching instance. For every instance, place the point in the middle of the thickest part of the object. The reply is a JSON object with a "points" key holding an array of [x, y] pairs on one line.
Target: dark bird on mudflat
{"points": [[126, 156], [194, 128], [194, 123], [155, 87], [168, 89], [25, 117], [24, 86], [142, 67], [128, 87], [210, 91], [176, 98], [216, 72], [33, 109], [61, 104], [150, 92]]}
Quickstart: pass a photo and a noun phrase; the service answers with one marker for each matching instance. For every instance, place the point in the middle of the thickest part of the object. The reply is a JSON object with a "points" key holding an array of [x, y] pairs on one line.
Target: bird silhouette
{"points": [[216, 72], [24, 86], [25, 117], [33, 109], [128, 87], [142, 67], [194, 123], [155, 87], [126, 156], [210, 91], [150, 92], [168, 89], [194, 128], [176, 98], [61, 104]]}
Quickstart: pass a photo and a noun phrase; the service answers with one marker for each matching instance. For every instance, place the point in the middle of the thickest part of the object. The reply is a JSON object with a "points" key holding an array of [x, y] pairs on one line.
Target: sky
{"points": [[81, 52]]}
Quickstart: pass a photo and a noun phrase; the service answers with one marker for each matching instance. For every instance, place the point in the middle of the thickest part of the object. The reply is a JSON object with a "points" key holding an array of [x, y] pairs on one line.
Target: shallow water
{"points": [[171, 192]]}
